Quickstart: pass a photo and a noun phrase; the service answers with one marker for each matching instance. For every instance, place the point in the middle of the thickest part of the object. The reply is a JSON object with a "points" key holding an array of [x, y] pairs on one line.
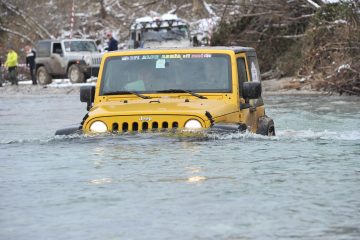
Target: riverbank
{"points": [[59, 86], [283, 86]]}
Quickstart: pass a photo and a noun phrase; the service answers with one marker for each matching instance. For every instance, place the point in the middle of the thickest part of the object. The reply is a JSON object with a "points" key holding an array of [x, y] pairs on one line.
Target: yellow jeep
{"points": [[183, 88]]}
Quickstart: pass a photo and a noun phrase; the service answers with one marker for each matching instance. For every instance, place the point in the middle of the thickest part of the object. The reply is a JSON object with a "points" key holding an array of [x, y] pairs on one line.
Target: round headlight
{"points": [[98, 127], [87, 60], [193, 124]]}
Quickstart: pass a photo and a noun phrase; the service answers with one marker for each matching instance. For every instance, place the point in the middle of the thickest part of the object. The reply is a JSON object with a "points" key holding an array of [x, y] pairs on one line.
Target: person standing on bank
{"points": [[11, 63], [30, 62], [112, 43]]}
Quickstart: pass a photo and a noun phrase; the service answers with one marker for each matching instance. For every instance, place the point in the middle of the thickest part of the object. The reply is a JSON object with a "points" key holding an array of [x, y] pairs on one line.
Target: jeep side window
{"points": [[242, 76], [43, 49], [57, 48]]}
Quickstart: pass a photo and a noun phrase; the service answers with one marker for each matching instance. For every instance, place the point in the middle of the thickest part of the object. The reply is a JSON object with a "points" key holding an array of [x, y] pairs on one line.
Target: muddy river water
{"points": [[302, 184]]}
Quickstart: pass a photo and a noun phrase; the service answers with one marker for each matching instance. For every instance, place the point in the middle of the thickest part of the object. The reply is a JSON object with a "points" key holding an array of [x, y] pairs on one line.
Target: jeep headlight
{"points": [[87, 60], [193, 124], [98, 127]]}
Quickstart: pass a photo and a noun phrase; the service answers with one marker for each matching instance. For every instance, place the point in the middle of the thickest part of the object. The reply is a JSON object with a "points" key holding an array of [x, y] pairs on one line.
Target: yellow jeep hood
{"points": [[163, 106]]}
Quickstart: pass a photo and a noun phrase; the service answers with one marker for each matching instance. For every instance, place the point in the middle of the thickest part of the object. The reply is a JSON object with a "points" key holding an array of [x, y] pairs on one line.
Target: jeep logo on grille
{"points": [[145, 119]]}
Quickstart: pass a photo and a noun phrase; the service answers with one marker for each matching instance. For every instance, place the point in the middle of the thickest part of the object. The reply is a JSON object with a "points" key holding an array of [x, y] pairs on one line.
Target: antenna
{"points": [[72, 19]]}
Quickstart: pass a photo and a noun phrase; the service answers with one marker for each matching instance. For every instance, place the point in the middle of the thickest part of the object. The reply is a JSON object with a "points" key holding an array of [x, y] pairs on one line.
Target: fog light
{"points": [[98, 127], [193, 124]]}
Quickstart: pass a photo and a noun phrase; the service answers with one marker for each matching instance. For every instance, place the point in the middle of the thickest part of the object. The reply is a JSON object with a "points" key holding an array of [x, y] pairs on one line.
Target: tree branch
{"points": [[16, 33], [26, 17]]}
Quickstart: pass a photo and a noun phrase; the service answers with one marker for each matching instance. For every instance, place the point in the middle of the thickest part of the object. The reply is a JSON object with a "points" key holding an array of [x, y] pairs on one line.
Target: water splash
{"points": [[321, 135], [42, 140], [288, 134]]}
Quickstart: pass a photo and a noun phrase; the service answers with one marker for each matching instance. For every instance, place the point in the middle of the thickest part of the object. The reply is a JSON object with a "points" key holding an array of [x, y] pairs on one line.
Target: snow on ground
{"points": [[58, 83], [344, 66]]}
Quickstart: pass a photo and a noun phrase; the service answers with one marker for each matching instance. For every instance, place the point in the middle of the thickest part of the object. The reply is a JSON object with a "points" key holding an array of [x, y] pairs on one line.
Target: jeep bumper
{"points": [[91, 71]]}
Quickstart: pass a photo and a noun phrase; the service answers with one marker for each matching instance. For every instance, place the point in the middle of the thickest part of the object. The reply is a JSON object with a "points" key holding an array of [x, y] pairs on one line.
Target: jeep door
{"points": [[255, 76], [248, 71], [56, 59]]}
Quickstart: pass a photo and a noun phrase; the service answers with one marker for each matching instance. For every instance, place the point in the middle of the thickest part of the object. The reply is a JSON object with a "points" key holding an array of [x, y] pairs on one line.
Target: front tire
{"points": [[43, 76], [266, 126], [75, 74]]}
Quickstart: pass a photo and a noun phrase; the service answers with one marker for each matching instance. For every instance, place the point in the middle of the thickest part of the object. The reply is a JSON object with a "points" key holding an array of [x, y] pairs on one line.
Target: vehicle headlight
{"points": [[87, 60], [193, 124], [98, 127]]}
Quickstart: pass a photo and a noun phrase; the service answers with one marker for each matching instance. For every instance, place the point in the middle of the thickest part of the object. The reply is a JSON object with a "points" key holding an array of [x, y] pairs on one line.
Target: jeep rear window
{"points": [[43, 49], [159, 72]]}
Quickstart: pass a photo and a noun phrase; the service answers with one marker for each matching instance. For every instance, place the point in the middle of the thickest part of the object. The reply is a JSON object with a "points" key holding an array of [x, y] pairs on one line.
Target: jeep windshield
{"points": [[167, 73], [80, 46], [165, 34]]}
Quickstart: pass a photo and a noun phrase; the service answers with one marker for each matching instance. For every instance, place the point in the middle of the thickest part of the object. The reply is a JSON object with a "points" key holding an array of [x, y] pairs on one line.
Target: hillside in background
{"points": [[316, 43]]}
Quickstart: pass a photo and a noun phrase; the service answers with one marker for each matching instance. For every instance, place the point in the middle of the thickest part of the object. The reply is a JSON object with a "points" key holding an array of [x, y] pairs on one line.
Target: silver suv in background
{"points": [[76, 59], [165, 31]]}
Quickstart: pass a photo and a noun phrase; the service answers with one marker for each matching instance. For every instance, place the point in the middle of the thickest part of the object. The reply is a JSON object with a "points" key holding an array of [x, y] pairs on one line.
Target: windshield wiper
{"points": [[126, 92], [182, 91]]}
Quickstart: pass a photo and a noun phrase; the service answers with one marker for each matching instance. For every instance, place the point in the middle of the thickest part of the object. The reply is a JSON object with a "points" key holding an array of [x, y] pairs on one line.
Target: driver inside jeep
{"points": [[142, 80]]}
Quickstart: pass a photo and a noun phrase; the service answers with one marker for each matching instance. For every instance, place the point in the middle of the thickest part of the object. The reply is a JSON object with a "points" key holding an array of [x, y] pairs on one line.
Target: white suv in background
{"points": [[76, 59]]}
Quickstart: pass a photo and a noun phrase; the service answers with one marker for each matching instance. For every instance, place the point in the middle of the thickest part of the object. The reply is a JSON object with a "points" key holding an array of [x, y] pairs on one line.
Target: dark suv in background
{"points": [[76, 59]]}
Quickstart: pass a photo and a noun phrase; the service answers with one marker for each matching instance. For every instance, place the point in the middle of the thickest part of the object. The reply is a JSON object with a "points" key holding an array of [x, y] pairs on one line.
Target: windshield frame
{"points": [[222, 91]]}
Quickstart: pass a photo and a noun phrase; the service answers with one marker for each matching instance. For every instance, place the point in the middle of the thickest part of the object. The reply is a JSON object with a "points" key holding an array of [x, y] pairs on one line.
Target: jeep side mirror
{"points": [[251, 90], [87, 94]]}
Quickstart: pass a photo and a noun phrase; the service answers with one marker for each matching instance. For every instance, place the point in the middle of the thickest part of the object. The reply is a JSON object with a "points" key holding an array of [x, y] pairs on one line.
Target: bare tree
{"points": [[28, 20], [199, 8], [102, 10]]}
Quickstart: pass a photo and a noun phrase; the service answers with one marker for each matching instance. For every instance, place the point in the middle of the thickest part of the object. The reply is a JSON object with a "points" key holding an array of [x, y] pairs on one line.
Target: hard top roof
{"points": [[236, 49]]}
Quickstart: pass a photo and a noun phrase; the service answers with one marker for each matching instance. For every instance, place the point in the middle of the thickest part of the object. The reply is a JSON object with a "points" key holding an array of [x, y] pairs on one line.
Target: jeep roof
{"points": [[236, 49]]}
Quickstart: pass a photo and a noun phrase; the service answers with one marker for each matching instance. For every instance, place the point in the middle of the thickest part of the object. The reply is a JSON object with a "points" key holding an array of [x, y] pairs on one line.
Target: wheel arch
{"points": [[72, 62], [42, 65]]}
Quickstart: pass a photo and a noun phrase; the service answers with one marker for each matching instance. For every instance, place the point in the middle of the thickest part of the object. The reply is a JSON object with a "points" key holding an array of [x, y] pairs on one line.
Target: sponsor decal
{"points": [[166, 56]]}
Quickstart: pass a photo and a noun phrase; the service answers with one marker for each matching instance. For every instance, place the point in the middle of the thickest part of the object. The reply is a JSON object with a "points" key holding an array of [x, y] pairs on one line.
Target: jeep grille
{"points": [[96, 61], [145, 123], [142, 126]]}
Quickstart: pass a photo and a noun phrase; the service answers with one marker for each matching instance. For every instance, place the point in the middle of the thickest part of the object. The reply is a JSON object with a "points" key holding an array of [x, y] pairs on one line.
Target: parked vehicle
{"points": [[187, 88], [165, 31], [76, 59]]}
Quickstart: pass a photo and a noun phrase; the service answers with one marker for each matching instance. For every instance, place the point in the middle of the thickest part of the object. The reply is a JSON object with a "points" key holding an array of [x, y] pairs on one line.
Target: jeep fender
{"points": [[69, 131], [81, 64], [46, 65], [232, 127]]}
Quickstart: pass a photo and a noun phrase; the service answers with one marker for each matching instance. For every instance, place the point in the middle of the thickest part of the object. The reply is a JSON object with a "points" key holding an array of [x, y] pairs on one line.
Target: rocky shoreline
{"points": [[283, 86]]}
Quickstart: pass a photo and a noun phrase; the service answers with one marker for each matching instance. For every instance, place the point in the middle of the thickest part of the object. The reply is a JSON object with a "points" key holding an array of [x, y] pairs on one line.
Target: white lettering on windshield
{"points": [[166, 56]]}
